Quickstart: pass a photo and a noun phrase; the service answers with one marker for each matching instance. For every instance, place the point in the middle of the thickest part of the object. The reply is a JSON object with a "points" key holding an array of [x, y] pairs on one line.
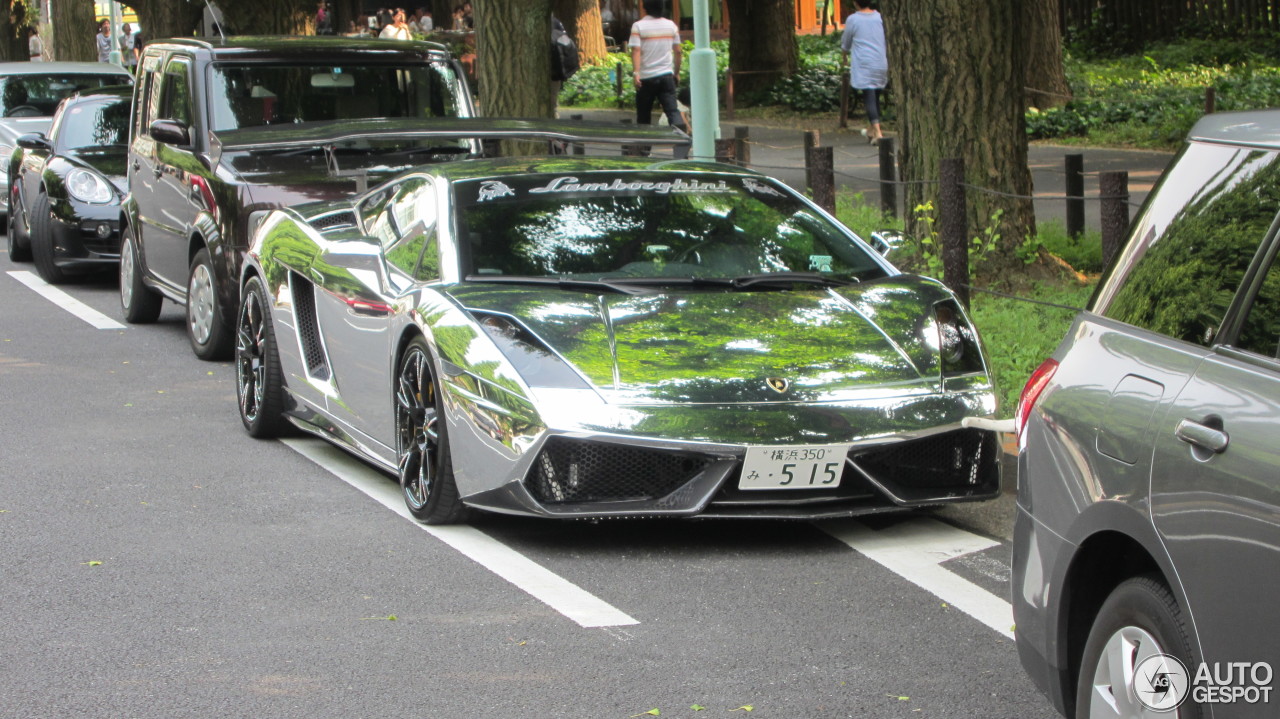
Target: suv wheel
{"points": [[1141, 619], [140, 303], [211, 336]]}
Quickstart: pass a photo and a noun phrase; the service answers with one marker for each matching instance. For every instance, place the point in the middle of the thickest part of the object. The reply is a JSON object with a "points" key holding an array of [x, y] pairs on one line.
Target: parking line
{"points": [[66, 301], [553, 590], [915, 549]]}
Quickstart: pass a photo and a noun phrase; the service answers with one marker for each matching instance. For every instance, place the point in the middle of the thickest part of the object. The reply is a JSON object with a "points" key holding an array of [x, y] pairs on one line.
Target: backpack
{"points": [[564, 55]]}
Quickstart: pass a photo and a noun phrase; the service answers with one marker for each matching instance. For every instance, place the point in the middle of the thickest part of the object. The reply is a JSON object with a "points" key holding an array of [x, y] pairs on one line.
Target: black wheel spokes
{"points": [[417, 434], [250, 364]]}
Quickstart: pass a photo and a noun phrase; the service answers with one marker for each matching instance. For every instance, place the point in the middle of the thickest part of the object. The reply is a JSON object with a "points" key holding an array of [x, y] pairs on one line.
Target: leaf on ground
{"points": [[744, 708], [389, 618], [697, 707], [899, 697], [652, 712], [93, 563]]}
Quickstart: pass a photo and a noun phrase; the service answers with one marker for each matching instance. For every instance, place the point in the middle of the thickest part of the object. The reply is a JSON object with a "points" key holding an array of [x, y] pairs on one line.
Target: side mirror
{"points": [[886, 241], [33, 141], [170, 132]]}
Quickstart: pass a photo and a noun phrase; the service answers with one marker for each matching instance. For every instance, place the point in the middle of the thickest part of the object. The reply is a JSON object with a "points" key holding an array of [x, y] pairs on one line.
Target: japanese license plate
{"points": [[811, 466]]}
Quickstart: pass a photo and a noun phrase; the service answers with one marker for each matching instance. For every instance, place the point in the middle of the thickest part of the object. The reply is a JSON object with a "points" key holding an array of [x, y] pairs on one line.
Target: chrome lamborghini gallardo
{"points": [[601, 337]]}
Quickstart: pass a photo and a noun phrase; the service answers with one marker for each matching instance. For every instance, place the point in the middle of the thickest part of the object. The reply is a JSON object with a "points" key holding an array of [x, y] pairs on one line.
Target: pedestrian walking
{"points": [[864, 49], [127, 58], [35, 45], [655, 59], [104, 41]]}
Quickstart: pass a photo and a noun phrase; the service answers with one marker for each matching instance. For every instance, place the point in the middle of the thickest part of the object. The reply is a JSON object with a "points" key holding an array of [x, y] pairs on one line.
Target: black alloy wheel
{"points": [[41, 239], [140, 304], [422, 444], [259, 382], [19, 246]]}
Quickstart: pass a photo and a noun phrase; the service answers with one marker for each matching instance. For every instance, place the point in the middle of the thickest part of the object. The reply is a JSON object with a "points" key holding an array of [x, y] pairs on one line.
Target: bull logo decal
{"points": [[492, 190]]}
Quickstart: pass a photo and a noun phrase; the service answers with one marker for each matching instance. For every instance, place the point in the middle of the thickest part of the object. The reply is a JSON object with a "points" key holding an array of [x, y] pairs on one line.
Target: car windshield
{"points": [[39, 95], [623, 226], [251, 95], [93, 124]]}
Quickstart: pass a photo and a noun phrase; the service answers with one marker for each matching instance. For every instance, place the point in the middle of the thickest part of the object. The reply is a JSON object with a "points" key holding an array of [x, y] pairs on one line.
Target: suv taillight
{"points": [[1030, 393]]}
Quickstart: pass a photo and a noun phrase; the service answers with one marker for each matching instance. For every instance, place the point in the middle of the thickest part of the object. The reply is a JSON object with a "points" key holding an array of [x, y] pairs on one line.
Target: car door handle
{"points": [[1203, 436]]}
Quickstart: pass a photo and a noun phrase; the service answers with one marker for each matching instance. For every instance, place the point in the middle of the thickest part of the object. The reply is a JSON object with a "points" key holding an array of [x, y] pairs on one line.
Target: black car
{"points": [[224, 131], [66, 188]]}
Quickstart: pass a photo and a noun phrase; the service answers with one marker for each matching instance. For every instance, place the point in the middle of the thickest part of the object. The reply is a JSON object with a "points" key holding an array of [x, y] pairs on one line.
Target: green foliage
{"points": [[596, 85], [816, 85], [1083, 253], [1019, 335]]}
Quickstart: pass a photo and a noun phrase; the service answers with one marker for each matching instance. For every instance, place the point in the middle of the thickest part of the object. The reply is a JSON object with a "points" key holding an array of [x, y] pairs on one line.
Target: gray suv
{"points": [[1147, 538]]}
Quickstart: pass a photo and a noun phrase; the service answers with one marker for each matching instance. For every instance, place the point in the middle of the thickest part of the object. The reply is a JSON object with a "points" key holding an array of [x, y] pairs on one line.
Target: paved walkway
{"points": [[779, 152]]}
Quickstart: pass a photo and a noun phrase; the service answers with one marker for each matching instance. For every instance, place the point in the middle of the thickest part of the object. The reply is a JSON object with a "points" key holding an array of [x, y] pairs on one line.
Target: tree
{"points": [[72, 24], [957, 74], [762, 43], [1046, 83], [581, 20], [273, 17], [164, 18], [13, 34], [513, 49]]}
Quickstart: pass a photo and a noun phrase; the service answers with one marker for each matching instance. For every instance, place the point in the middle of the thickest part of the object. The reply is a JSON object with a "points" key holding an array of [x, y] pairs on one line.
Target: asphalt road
{"points": [[155, 561]]}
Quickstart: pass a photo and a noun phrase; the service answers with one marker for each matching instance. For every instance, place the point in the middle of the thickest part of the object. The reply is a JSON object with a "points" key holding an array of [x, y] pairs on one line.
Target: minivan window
{"points": [[1260, 332], [176, 100], [1190, 248]]}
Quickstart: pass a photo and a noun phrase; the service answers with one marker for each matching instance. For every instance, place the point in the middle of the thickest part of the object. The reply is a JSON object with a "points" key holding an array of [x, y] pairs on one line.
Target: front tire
{"points": [[422, 444], [210, 335], [141, 304], [19, 246], [41, 239], [259, 381], [1141, 619]]}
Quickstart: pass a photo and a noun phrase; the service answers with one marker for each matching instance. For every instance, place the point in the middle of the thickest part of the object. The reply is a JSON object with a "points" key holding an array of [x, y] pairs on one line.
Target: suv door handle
{"points": [[1203, 436]]}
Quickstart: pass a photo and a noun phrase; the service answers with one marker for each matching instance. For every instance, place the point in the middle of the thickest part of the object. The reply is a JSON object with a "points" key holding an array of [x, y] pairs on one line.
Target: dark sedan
{"points": [[66, 188]]}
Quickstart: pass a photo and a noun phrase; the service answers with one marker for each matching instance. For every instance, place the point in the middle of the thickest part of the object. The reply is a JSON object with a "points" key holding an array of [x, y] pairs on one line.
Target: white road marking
{"points": [[66, 301], [556, 592], [914, 549]]}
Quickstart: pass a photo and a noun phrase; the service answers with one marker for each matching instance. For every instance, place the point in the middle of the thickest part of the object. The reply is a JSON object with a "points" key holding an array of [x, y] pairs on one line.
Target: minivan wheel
{"points": [[1141, 619], [141, 304], [211, 337]]}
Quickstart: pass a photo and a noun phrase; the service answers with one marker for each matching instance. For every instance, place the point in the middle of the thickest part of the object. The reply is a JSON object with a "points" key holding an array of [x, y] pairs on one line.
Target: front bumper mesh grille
{"points": [[570, 471], [953, 461]]}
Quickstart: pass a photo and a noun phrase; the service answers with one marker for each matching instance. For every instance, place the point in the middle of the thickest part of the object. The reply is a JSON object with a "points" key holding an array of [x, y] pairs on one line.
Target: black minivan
{"points": [[215, 144]]}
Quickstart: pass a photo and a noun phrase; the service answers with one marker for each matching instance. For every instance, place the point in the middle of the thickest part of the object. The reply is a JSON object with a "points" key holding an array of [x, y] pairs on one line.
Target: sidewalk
{"points": [[779, 152]]}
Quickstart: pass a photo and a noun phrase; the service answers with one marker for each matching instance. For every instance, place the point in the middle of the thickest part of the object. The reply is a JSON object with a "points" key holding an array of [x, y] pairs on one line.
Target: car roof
{"points": [[1254, 128], [302, 46], [122, 92], [61, 68]]}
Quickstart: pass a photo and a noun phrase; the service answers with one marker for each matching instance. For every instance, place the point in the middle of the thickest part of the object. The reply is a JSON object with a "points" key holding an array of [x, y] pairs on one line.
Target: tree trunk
{"points": [[270, 17], [72, 26], [581, 20], [513, 57], [1046, 84], [762, 43], [11, 28], [957, 78], [162, 19]]}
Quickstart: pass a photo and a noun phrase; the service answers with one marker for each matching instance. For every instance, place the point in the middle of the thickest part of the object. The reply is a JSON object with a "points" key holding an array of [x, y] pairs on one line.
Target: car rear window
{"points": [[1190, 247], [262, 94]]}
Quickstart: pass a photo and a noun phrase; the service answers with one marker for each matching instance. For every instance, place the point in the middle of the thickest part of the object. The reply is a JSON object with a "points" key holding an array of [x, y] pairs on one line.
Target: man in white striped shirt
{"points": [[655, 59]]}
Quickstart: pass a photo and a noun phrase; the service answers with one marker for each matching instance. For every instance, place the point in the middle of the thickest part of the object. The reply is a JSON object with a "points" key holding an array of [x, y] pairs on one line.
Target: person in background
{"points": [[459, 20], [127, 58], [398, 29], [324, 19], [104, 41], [467, 16], [864, 49], [655, 59], [35, 45], [425, 23], [137, 47]]}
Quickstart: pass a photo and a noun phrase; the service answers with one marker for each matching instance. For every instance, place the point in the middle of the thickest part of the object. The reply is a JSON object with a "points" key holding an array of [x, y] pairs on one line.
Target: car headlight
{"points": [[89, 187]]}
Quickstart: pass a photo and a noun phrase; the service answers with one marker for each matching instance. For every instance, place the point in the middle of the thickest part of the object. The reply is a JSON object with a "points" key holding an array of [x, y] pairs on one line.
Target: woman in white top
{"points": [[398, 29], [35, 46]]}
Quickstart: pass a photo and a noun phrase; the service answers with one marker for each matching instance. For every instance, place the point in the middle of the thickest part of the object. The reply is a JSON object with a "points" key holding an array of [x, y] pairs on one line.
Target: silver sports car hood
{"points": [[734, 347]]}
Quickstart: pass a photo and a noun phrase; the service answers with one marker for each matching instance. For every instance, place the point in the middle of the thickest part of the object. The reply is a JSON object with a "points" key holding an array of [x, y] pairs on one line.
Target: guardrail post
{"points": [[820, 170], [1210, 100], [844, 97], [617, 79], [1114, 190], [726, 149], [1074, 166], [888, 178], [743, 149], [952, 230]]}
